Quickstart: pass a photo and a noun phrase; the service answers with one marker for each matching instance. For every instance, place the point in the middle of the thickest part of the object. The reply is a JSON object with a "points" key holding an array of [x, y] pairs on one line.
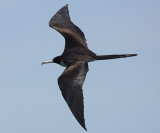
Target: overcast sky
{"points": [[120, 96]]}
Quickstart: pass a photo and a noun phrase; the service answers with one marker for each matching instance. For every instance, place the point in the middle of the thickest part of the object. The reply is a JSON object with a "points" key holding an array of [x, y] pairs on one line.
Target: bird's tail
{"points": [[107, 57]]}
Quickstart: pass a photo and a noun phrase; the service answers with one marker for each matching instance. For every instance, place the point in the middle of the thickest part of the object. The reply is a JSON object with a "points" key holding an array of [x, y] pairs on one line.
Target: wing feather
{"points": [[70, 83], [62, 23]]}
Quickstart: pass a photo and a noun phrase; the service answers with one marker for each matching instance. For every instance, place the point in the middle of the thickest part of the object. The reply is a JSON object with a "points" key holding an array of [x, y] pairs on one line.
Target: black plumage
{"points": [[75, 58]]}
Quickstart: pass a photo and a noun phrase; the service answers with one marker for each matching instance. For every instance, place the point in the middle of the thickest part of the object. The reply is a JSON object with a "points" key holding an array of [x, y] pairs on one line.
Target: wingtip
{"points": [[85, 129], [66, 5], [84, 126]]}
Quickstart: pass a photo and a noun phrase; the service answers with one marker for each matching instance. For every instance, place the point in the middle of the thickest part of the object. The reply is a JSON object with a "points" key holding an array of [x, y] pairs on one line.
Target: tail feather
{"points": [[107, 57]]}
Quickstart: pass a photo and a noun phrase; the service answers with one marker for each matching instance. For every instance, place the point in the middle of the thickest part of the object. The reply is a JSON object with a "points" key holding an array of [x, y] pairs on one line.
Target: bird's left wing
{"points": [[62, 23], [70, 83]]}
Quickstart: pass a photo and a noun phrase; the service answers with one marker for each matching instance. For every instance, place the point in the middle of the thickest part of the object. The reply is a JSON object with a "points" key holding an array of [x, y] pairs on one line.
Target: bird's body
{"points": [[75, 58], [77, 54]]}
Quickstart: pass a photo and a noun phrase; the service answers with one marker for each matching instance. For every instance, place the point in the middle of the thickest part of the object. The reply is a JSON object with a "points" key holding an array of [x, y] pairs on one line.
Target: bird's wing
{"points": [[62, 23], [70, 83]]}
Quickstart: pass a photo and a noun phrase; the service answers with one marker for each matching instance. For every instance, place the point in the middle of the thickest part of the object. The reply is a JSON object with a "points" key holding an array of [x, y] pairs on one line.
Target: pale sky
{"points": [[120, 96]]}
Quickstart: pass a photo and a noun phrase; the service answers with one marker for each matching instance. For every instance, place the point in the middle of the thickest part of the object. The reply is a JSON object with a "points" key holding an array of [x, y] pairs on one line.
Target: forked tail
{"points": [[107, 57]]}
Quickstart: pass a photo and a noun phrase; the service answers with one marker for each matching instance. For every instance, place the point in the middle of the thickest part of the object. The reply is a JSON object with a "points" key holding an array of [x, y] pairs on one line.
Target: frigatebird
{"points": [[75, 58]]}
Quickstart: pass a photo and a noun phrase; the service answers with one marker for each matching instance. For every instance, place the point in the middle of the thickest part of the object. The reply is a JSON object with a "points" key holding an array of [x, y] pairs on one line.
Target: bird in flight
{"points": [[75, 58]]}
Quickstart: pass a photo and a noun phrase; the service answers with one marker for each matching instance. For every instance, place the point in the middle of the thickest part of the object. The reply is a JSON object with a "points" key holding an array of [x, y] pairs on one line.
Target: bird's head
{"points": [[54, 60]]}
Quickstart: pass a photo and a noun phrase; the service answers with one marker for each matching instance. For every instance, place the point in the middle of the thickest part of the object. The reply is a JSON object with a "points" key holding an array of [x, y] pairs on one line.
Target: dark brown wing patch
{"points": [[62, 23], [70, 83]]}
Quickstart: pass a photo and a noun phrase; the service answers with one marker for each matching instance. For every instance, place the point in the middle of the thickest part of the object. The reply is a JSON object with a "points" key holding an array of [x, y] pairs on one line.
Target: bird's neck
{"points": [[59, 60], [62, 63]]}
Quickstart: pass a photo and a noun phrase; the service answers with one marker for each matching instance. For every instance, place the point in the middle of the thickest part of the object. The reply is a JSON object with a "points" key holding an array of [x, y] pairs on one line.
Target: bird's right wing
{"points": [[62, 23], [70, 83]]}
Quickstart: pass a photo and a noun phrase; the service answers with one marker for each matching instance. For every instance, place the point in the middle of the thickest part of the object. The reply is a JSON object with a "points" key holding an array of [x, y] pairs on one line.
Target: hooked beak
{"points": [[46, 62]]}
